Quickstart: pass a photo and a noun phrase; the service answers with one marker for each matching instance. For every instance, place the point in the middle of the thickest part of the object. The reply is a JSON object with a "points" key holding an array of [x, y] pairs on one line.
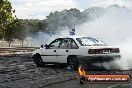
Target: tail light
{"points": [[91, 51], [95, 51], [103, 51], [115, 50]]}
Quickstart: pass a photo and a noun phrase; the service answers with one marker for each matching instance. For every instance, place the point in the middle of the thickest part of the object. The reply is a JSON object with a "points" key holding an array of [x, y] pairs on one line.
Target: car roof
{"points": [[74, 37]]}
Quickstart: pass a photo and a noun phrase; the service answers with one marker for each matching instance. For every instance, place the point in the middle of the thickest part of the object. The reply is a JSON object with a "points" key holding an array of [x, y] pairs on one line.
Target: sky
{"points": [[39, 9]]}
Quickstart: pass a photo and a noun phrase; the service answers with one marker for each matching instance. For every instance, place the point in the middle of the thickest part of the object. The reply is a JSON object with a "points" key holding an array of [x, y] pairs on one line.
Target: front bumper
{"points": [[97, 58]]}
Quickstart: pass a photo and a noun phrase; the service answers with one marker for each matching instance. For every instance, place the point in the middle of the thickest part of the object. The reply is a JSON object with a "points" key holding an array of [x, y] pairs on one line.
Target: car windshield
{"points": [[89, 41]]}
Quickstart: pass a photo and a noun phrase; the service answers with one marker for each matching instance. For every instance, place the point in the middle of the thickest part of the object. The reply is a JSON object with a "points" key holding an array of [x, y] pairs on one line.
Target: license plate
{"points": [[106, 51]]}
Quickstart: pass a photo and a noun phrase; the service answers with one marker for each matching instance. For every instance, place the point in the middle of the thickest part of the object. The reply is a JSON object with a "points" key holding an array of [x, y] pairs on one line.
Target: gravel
{"points": [[19, 71]]}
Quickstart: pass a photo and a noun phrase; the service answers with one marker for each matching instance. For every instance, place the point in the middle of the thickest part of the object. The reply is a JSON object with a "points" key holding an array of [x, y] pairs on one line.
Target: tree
{"points": [[42, 25], [66, 18], [10, 30], [93, 13], [6, 20], [21, 31]]}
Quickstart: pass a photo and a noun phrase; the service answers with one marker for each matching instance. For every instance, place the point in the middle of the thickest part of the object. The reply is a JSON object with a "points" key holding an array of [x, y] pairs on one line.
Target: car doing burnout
{"points": [[75, 50]]}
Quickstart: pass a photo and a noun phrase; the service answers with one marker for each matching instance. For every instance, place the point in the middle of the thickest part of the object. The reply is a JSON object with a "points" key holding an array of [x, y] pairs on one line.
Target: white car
{"points": [[74, 51]]}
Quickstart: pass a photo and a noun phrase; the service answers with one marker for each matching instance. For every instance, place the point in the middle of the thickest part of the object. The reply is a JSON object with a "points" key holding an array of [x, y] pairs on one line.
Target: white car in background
{"points": [[74, 51]]}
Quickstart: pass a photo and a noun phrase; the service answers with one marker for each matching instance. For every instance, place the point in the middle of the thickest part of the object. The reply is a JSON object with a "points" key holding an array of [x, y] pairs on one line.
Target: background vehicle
{"points": [[74, 51]]}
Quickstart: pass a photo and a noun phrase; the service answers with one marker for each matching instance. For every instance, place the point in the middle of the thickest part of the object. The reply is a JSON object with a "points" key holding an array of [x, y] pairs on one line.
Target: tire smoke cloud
{"points": [[114, 27]]}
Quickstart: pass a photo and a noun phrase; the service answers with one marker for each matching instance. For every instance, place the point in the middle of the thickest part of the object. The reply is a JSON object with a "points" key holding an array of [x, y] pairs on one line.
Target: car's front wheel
{"points": [[38, 60], [72, 62]]}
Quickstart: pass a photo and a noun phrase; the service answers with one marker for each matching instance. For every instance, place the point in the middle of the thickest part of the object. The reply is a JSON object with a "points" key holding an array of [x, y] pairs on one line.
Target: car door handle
{"points": [[54, 50], [67, 50]]}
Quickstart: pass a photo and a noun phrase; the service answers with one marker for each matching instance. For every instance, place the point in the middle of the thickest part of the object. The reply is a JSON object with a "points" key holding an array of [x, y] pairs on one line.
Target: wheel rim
{"points": [[39, 60]]}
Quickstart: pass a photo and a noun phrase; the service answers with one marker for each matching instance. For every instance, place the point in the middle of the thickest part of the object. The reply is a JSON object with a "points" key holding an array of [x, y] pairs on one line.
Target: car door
{"points": [[67, 47], [50, 53]]}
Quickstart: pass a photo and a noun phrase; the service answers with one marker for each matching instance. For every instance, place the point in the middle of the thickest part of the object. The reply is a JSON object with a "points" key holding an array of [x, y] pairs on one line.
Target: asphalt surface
{"points": [[21, 72]]}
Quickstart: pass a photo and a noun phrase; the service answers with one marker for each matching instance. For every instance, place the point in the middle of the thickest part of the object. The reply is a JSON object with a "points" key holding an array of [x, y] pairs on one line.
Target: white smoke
{"points": [[114, 28], [40, 38]]}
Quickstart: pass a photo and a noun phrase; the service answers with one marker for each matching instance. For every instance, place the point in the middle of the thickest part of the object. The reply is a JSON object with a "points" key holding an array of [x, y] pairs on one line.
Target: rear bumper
{"points": [[97, 58]]}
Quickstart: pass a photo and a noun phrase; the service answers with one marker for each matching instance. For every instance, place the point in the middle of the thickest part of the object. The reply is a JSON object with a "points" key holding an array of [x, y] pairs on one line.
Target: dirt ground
{"points": [[21, 72]]}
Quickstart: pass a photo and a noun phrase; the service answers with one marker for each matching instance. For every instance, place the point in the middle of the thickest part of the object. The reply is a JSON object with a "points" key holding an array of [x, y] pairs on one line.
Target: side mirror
{"points": [[42, 46], [46, 46]]}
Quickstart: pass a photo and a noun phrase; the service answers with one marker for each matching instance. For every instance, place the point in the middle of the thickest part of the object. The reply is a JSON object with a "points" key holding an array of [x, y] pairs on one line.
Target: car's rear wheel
{"points": [[38, 60], [72, 62]]}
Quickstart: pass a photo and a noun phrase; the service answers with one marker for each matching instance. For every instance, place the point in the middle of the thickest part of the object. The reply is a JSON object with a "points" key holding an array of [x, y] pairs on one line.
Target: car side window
{"points": [[73, 45], [65, 44], [68, 44], [55, 44]]}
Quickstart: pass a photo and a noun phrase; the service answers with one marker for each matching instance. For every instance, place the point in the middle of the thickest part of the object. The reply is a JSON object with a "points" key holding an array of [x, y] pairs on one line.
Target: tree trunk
{"points": [[22, 43], [2, 43], [9, 43]]}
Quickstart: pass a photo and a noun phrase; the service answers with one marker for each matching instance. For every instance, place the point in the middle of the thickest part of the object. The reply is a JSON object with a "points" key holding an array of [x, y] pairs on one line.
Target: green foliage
{"points": [[7, 22], [12, 28], [71, 18], [6, 12], [66, 18], [25, 28], [33, 25]]}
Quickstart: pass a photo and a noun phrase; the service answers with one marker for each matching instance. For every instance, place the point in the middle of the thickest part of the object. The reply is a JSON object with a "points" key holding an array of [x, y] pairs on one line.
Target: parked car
{"points": [[75, 50]]}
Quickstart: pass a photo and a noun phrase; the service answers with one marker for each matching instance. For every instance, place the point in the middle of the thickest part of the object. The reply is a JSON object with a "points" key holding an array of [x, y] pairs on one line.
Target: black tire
{"points": [[38, 60], [72, 62]]}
